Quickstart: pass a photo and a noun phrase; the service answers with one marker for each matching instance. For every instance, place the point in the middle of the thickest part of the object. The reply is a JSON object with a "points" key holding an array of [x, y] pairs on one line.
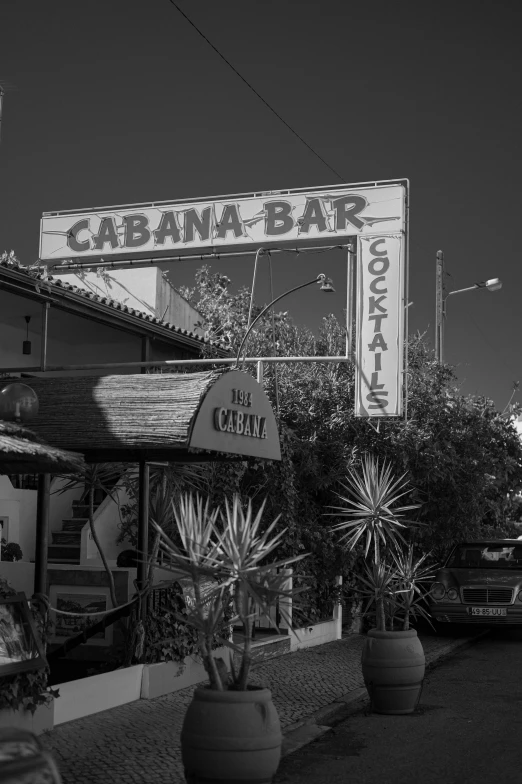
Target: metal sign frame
{"points": [[241, 224]]}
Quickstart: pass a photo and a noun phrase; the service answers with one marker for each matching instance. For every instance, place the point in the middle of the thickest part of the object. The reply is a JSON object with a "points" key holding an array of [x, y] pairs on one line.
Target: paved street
{"points": [[467, 730], [139, 742]]}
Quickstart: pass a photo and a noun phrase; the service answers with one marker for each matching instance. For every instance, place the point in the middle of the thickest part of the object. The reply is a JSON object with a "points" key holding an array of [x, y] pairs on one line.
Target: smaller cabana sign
{"points": [[170, 416], [20, 646], [236, 417], [380, 327]]}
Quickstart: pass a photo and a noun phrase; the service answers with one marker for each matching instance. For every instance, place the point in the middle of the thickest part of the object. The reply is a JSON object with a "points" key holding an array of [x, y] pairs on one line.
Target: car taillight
{"points": [[437, 591], [452, 594]]}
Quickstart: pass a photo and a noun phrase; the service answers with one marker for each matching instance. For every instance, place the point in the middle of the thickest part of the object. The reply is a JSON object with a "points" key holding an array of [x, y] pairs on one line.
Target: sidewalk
{"points": [[139, 742]]}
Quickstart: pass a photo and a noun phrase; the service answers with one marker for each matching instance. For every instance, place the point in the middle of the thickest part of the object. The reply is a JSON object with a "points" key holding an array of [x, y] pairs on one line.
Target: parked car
{"points": [[481, 583]]}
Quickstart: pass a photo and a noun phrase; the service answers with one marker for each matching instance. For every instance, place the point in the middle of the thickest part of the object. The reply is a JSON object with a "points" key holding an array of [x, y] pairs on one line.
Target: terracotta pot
{"points": [[231, 736], [393, 666]]}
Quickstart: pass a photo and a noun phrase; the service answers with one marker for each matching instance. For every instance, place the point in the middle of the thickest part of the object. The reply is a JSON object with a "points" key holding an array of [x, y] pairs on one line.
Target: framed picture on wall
{"points": [[78, 601], [20, 646]]}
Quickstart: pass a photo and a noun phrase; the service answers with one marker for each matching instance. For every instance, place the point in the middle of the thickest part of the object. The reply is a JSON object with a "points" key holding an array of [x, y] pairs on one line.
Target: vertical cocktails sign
{"points": [[380, 326]]}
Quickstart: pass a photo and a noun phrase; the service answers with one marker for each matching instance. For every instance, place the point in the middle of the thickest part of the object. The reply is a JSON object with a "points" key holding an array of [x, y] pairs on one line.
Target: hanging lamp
{"points": [[26, 349]]}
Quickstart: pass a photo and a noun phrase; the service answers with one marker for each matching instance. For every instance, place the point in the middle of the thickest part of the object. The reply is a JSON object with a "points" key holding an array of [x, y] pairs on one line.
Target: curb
{"points": [[308, 729]]}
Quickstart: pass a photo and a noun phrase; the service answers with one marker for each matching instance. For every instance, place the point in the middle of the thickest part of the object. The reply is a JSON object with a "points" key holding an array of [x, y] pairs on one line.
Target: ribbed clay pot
{"points": [[231, 736], [393, 666]]}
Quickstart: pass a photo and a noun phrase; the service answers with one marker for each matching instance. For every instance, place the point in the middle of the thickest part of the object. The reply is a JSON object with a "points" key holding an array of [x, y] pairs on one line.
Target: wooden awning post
{"points": [[42, 533], [143, 528]]}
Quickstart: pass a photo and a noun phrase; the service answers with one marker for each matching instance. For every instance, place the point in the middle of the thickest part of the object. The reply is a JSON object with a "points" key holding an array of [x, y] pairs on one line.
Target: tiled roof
{"points": [[10, 262]]}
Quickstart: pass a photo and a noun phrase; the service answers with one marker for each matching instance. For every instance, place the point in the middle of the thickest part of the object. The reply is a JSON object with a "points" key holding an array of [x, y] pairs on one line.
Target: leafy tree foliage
{"points": [[463, 457]]}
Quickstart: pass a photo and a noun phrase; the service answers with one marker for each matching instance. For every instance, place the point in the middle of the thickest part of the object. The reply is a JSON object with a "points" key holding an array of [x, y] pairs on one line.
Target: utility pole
{"points": [[1, 102], [350, 290], [439, 307]]}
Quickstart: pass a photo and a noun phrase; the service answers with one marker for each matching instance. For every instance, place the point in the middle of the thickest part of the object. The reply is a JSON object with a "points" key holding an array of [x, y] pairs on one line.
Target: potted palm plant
{"points": [[231, 730], [393, 660], [412, 578]]}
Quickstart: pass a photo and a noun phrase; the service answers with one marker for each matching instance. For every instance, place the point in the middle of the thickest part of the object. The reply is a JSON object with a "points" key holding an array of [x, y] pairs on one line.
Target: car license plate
{"points": [[488, 611]]}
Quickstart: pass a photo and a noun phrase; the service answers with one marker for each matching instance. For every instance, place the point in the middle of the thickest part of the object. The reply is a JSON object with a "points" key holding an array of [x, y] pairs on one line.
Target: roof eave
{"points": [[70, 301]]}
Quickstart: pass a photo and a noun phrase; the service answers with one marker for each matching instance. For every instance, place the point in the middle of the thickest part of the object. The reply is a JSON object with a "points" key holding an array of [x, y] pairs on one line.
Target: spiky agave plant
{"points": [[412, 576], [371, 514], [377, 585], [229, 550]]}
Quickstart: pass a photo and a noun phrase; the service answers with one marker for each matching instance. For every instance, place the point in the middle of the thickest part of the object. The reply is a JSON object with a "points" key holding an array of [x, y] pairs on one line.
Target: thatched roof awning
{"points": [[22, 452], [157, 417]]}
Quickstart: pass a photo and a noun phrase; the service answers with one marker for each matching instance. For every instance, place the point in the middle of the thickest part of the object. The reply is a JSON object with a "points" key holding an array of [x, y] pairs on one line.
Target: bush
{"points": [[11, 551]]}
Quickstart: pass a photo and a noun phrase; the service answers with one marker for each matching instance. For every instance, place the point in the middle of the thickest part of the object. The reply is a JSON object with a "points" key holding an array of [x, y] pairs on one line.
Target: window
{"points": [[484, 556], [24, 481]]}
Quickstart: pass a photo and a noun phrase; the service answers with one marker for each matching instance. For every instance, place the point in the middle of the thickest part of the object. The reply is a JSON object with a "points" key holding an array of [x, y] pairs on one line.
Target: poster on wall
{"points": [[380, 326], [298, 215], [70, 625], [20, 645]]}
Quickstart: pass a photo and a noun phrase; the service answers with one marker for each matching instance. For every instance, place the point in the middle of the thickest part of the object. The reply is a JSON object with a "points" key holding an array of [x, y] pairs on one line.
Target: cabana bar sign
{"points": [[224, 221]]}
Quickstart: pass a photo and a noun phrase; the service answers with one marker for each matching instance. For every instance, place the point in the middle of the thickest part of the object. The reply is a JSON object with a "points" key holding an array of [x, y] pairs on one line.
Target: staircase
{"points": [[65, 547]]}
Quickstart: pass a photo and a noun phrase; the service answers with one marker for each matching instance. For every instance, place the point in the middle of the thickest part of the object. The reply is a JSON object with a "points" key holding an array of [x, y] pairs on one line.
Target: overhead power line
{"points": [[292, 130], [191, 23]]}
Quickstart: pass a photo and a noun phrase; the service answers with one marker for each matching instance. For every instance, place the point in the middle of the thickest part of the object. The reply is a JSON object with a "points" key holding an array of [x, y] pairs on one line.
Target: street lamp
{"points": [[493, 284], [326, 285]]}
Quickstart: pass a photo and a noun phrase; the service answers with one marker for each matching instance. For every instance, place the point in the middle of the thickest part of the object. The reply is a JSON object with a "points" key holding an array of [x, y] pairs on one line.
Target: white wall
{"points": [[19, 575], [135, 288], [20, 507], [173, 308], [146, 290], [97, 693], [106, 524]]}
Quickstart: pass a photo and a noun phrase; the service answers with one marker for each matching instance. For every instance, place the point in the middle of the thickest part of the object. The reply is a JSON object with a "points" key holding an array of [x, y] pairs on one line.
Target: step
{"points": [[72, 561], [74, 524], [81, 510], [67, 537], [67, 553]]}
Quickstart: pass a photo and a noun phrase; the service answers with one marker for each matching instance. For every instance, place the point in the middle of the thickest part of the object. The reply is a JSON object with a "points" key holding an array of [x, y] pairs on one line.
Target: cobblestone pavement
{"points": [[139, 742]]}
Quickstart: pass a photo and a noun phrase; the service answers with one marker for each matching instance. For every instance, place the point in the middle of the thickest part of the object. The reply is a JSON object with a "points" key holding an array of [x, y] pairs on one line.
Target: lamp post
{"points": [[494, 284], [326, 285]]}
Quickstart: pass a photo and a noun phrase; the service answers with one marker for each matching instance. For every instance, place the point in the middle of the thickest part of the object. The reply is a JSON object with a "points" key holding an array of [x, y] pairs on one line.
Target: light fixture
{"points": [[326, 285], [494, 284], [26, 349], [18, 403]]}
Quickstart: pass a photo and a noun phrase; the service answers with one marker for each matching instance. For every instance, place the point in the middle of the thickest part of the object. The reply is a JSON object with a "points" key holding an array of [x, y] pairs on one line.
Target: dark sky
{"points": [[120, 101]]}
